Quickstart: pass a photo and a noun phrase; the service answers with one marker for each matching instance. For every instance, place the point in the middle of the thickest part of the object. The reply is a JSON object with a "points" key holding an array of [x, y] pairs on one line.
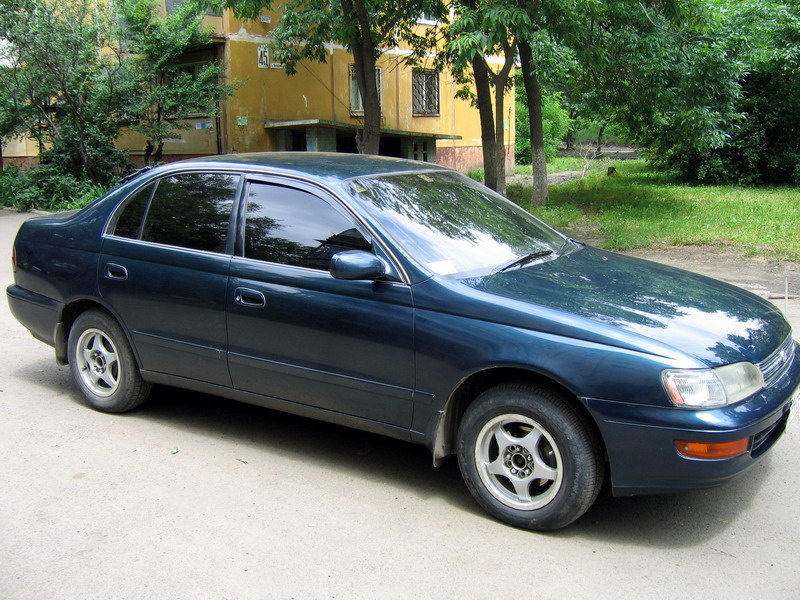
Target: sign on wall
{"points": [[263, 57]]}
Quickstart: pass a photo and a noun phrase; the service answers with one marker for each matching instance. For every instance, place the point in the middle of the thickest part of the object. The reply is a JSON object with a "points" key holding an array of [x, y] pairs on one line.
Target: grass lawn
{"points": [[561, 163], [640, 208]]}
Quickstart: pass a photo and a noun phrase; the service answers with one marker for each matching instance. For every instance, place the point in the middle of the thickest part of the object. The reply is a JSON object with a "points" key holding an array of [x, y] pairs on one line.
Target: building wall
{"points": [[316, 91], [19, 151]]}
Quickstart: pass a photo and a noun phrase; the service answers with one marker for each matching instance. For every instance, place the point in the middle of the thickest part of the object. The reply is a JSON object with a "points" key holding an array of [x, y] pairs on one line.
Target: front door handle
{"points": [[249, 298], [114, 271]]}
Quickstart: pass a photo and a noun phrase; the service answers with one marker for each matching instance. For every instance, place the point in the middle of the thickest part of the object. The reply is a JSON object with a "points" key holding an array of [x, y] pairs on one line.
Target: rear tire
{"points": [[528, 457], [102, 364]]}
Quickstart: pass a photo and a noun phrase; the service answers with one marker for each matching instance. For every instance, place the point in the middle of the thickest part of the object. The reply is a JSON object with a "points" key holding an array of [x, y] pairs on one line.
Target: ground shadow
{"points": [[675, 520]]}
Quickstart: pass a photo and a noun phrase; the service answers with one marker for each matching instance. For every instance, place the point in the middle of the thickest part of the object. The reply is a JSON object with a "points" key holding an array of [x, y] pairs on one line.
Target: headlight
{"points": [[710, 388]]}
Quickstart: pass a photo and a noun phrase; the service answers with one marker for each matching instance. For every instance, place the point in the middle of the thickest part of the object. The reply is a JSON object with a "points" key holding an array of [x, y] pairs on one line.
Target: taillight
{"points": [[13, 259]]}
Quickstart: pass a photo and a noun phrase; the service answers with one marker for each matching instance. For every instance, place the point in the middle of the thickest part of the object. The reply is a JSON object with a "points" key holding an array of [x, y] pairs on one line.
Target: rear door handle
{"points": [[114, 271], [249, 298]]}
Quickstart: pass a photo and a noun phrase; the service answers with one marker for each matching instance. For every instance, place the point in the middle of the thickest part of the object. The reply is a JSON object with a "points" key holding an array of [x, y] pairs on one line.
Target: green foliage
{"points": [[763, 146], [662, 72], [46, 187], [12, 189], [71, 78], [555, 124], [641, 208], [562, 163], [476, 174], [163, 92], [57, 87]]}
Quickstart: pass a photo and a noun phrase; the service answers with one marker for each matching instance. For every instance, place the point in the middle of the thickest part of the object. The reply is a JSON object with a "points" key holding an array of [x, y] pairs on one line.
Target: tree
{"points": [[556, 123], [164, 93], [69, 80], [652, 66], [482, 29], [763, 144], [58, 87], [364, 27]]}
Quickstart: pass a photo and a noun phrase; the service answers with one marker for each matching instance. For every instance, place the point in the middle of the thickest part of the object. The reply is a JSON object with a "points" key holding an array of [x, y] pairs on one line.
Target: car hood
{"points": [[707, 319]]}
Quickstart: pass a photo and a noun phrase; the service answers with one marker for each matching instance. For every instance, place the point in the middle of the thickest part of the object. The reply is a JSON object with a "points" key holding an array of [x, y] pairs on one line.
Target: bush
{"points": [[46, 187], [555, 123], [12, 189]]}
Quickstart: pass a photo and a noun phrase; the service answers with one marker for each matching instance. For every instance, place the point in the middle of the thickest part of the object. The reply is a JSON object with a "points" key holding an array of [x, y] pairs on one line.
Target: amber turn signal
{"points": [[712, 450]]}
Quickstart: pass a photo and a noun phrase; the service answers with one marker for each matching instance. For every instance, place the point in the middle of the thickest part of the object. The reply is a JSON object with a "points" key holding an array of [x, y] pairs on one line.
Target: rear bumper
{"points": [[38, 313], [642, 454]]}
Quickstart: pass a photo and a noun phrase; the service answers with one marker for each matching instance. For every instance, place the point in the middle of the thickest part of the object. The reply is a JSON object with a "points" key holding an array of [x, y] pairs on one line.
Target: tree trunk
{"points": [[533, 94], [499, 132], [368, 139], [570, 141], [491, 169], [601, 138]]}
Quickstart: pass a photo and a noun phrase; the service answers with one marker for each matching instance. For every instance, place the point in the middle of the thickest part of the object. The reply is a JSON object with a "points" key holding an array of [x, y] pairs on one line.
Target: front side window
{"points": [[293, 227], [425, 91], [356, 102], [191, 210]]}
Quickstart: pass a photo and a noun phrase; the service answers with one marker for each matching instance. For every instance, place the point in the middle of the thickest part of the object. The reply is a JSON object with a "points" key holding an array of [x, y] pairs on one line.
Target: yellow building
{"points": [[319, 108]]}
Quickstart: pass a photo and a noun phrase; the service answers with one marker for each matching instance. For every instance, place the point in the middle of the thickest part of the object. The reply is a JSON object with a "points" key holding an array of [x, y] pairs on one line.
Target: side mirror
{"points": [[358, 265]]}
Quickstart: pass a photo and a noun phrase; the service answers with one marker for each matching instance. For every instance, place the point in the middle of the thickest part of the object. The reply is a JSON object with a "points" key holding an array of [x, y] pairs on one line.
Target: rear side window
{"points": [[129, 222], [190, 210], [293, 227]]}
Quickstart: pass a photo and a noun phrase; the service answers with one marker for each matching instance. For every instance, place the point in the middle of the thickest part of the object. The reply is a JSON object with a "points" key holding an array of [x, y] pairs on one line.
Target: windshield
{"points": [[451, 224]]}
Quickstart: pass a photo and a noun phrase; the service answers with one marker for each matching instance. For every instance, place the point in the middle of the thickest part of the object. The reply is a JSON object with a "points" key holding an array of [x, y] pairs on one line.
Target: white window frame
{"points": [[424, 19], [356, 102]]}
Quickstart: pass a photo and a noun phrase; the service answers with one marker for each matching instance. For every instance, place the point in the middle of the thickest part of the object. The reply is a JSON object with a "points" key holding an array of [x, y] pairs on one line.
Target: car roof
{"points": [[330, 166]]}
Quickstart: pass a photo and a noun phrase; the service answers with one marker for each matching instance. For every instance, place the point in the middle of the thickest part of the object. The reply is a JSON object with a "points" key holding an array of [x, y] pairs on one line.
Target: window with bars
{"points": [[425, 92], [356, 103]]}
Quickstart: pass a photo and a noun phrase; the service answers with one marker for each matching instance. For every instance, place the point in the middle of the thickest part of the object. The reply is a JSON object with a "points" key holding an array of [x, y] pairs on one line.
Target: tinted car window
{"points": [[191, 210], [452, 224], [293, 227], [129, 221]]}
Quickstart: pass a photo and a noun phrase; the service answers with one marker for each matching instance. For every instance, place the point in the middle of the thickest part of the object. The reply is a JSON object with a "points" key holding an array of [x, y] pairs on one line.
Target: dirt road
{"points": [[197, 497]]}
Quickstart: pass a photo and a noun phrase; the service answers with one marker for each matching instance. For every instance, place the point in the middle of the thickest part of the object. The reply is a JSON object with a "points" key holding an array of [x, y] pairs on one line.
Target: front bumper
{"points": [[640, 439]]}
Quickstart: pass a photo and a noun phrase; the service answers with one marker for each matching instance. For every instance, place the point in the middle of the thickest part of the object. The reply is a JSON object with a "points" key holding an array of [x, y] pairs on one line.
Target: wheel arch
{"points": [[71, 311], [445, 431]]}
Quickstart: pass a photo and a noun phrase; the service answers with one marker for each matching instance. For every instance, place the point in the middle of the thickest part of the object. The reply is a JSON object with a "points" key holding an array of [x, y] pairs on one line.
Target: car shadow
{"points": [[670, 520], [674, 520], [677, 520], [370, 456]]}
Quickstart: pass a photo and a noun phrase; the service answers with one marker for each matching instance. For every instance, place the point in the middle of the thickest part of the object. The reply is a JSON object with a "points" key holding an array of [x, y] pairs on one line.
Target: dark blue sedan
{"points": [[405, 299]]}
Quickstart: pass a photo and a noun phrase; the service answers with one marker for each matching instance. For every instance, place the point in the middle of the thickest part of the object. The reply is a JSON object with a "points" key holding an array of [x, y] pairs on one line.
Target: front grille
{"points": [[776, 364]]}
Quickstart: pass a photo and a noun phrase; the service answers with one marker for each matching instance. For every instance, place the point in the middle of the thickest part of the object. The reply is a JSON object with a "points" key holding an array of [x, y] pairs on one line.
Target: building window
{"points": [[356, 102], [425, 92], [192, 65], [427, 19]]}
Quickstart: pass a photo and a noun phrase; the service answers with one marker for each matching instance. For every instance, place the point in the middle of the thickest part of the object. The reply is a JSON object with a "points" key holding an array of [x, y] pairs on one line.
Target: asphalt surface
{"points": [[194, 496]]}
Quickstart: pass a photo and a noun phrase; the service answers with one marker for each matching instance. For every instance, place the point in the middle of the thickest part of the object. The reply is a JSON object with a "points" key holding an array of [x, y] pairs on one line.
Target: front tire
{"points": [[102, 364], [528, 457]]}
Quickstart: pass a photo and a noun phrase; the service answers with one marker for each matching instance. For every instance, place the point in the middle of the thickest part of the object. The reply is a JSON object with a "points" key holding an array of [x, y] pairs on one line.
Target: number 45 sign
{"points": [[263, 57]]}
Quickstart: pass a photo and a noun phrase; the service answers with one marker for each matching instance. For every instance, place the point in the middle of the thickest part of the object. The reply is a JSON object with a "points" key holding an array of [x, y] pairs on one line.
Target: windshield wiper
{"points": [[524, 260]]}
